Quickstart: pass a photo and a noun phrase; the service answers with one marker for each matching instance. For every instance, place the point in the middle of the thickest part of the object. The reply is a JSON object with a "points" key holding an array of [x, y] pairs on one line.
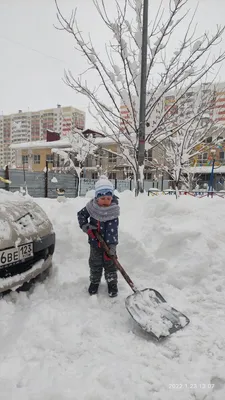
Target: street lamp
{"points": [[142, 109]]}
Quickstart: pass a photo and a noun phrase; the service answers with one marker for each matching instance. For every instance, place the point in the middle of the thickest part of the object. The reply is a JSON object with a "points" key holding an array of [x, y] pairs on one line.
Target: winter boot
{"points": [[112, 289], [93, 288]]}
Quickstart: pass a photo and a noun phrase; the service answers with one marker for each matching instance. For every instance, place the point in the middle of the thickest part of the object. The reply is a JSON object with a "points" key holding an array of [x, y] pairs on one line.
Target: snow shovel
{"points": [[148, 307]]}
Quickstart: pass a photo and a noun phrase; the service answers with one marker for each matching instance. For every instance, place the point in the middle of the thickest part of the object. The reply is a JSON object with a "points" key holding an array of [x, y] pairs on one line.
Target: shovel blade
{"points": [[151, 311]]}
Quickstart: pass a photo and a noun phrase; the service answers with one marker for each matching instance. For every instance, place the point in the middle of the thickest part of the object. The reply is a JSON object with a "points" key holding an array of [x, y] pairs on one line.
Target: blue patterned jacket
{"points": [[108, 229]]}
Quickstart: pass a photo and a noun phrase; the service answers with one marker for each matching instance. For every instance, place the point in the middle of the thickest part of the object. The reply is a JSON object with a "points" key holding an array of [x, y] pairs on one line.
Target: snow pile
{"points": [[59, 343]]}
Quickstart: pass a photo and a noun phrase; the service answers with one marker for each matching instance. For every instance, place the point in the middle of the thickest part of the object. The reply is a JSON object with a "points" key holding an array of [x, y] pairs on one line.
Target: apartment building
{"points": [[195, 98], [5, 134], [1, 142], [32, 126], [199, 96], [219, 109], [126, 117], [127, 111]]}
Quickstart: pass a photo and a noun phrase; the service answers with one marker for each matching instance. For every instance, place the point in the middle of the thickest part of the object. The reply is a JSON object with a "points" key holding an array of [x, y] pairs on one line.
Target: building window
{"points": [[25, 159], [112, 175], [112, 158], [203, 157], [37, 158], [148, 155], [89, 161], [147, 176], [221, 155], [49, 158], [94, 175]]}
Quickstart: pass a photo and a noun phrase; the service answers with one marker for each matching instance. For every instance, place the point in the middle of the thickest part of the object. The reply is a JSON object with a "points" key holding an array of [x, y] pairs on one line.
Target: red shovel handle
{"points": [[116, 262]]}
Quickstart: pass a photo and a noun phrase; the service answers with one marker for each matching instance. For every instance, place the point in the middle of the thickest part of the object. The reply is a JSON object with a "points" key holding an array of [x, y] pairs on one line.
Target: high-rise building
{"points": [[33, 125], [127, 111], [1, 142], [196, 98], [126, 118], [219, 110], [6, 139], [208, 96]]}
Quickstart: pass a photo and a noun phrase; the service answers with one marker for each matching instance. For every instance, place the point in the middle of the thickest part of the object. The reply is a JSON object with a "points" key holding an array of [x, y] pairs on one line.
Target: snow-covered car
{"points": [[27, 241]]}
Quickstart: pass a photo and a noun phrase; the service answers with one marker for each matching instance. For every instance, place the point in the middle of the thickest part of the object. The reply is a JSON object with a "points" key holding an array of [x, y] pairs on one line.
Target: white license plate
{"points": [[14, 255]]}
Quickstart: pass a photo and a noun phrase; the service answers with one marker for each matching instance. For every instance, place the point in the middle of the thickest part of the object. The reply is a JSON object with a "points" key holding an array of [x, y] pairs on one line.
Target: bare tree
{"points": [[75, 156], [118, 76], [187, 143]]}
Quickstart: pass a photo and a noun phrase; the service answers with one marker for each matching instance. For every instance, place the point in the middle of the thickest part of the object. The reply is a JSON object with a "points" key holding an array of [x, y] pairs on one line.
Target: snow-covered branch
{"points": [[187, 144], [117, 74]]}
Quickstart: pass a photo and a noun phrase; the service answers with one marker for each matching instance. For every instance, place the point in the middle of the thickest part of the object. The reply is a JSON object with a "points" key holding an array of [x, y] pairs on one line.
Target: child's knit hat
{"points": [[103, 187]]}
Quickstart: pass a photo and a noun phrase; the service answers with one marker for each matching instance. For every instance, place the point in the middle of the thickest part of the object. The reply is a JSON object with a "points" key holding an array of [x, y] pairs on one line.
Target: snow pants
{"points": [[97, 263]]}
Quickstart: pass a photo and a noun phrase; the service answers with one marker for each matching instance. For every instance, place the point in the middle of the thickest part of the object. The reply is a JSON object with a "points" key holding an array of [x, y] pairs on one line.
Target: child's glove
{"points": [[88, 228], [112, 250]]}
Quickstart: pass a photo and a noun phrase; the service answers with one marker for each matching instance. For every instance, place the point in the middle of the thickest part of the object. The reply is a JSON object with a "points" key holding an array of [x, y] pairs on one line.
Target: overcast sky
{"points": [[34, 54]]}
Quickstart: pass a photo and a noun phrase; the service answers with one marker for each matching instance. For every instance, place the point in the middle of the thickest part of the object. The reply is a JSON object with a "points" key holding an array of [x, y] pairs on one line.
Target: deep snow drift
{"points": [[59, 343]]}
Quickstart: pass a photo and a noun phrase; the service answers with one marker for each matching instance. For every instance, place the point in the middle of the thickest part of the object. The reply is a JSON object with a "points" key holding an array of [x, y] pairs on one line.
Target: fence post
{"points": [[116, 183], [79, 187], [162, 182], [46, 179], [130, 184], [7, 177], [77, 184]]}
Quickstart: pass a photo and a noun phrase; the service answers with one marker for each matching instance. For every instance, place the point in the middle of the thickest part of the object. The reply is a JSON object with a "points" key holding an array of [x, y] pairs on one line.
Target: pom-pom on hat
{"points": [[103, 187]]}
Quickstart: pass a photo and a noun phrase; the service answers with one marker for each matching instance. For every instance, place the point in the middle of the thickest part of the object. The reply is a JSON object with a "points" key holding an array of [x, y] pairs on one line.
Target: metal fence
{"points": [[40, 184], [44, 184], [121, 185]]}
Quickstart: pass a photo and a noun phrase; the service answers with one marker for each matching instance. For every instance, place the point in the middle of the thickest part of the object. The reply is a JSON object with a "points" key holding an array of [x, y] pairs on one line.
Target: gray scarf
{"points": [[102, 214]]}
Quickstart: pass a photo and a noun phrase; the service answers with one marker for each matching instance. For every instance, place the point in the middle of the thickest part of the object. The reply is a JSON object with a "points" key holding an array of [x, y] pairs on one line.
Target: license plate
{"points": [[15, 255]]}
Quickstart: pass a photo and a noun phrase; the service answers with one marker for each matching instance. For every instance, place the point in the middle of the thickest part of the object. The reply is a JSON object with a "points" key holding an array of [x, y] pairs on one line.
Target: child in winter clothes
{"points": [[101, 214]]}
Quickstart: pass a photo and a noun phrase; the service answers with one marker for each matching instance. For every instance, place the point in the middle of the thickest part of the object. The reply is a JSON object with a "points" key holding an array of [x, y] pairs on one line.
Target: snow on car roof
{"points": [[6, 196]]}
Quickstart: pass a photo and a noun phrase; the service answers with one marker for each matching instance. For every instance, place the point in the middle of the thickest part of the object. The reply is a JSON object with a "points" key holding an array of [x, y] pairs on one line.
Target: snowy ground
{"points": [[58, 343]]}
